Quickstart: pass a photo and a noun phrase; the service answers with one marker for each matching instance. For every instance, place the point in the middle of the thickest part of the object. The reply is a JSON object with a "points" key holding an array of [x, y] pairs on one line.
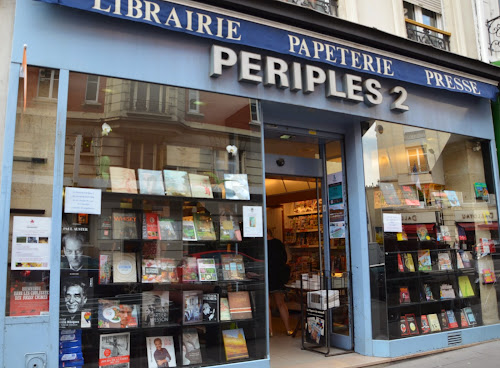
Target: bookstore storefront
{"points": [[135, 183]]}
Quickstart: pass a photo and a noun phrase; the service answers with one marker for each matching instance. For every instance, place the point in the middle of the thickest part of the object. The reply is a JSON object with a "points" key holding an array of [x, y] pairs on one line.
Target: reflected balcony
{"points": [[323, 6], [428, 35]]}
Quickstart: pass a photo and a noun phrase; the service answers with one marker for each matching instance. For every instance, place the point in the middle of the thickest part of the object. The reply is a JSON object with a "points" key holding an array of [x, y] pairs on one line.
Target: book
{"points": [[191, 306], [239, 305], [189, 269], [200, 186], [123, 180], [188, 230], [389, 193], [401, 267], [471, 318], [481, 191], [159, 270], [124, 267], [444, 261], [150, 229], [452, 198], [403, 326], [112, 314], [409, 265], [235, 345], [236, 186], [114, 350], [229, 230], [155, 308], [150, 182], [404, 295], [446, 291], [125, 225], [191, 352], [410, 195], [465, 286], [466, 258], [105, 227], [422, 233], [29, 298], [424, 260], [210, 307], [105, 266], [412, 324], [434, 322], [225, 315], [161, 351], [428, 292], [460, 263], [177, 183], [444, 320], [233, 267], [207, 270], [445, 233], [129, 315], [463, 319], [402, 236], [424, 324], [75, 309], [488, 276], [452, 321], [169, 229], [204, 226]]}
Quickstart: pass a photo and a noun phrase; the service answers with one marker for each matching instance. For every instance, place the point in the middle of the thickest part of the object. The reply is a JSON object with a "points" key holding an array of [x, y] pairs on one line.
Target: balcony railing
{"points": [[428, 35], [323, 6]]}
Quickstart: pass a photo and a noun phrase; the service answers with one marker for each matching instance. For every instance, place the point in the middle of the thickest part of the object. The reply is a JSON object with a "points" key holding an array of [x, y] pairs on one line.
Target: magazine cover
{"points": [[192, 301], [210, 307], [204, 226], [114, 350], [200, 186], [151, 182], [191, 353], [236, 186], [155, 308], [177, 183], [169, 229], [161, 352], [235, 344], [207, 269], [125, 225], [315, 326], [123, 180]]}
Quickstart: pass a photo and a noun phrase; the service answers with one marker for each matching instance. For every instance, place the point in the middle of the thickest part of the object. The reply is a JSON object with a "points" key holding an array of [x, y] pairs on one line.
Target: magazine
{"points": [[114, 350], [161, 351]]}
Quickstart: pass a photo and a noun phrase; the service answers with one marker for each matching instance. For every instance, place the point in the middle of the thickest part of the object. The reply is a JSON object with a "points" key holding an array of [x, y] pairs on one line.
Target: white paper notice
{"points": [[252, 222], [393, 223], [31, 243], [82, 200]]}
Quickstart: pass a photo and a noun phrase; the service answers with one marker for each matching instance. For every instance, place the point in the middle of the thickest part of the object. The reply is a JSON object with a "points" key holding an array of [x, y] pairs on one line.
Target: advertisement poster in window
{"points": [[30, 243]]}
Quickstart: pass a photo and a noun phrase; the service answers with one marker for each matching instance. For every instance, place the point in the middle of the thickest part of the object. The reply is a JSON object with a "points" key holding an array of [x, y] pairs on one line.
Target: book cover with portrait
{"points": [[161, 351]]}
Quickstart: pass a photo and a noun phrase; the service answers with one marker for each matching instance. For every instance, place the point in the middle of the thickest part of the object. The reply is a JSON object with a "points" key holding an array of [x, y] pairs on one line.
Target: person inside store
{"points": [[161, 355], [279, 273]]}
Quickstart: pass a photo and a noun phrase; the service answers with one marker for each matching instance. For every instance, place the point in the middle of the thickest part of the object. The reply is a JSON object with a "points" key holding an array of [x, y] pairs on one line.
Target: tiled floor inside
{"points": [[286, 352]]}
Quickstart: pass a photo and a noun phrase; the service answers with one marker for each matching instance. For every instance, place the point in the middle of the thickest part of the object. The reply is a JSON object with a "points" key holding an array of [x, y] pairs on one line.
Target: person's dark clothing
{"points": [[276, 263]]}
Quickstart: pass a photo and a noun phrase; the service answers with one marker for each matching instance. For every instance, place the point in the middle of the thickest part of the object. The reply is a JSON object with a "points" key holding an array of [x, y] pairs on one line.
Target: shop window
{"points": [[92, 92], [417, 160], [437, 231], [163, 261], [48, 83]]}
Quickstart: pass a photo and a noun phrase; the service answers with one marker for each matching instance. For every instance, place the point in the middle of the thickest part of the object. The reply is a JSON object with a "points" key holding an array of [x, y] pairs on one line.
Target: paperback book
{"points": [[422, 233], [409, 265], [444, 320], [444, 261], [189, 269], [124, 267], [434, 322], [401, 267], [460, 263], [412, 324], [465, 286], [151, 182], [428, 293], [188, 230], [452, 321], [452, 198], [463, 319], [169, 228], [114, 350], [150, 229], [112, 314], [155, 308], [446, 291], [404, 295], [123, 180], [445, 233], [125, 225], [233, 267], [229, 230], [481, 191], [469, 314], [177, 183], [105, 266], [239, 305], [191, 352], [466, 258], [403, 325], [424, 260], [207, 270], [424, 324], [235, 345], [210, 307], [488, 276], [204, 226], [225, 315], [200, 186], [161, 351], [236, 186], [191, 306]]}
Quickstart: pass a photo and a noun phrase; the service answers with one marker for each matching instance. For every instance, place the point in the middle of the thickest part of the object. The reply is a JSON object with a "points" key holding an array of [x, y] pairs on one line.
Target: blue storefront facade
{"points": [[418, 153]]}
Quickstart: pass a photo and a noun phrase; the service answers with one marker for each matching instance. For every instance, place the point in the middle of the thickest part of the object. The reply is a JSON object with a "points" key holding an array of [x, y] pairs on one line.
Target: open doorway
{"points": [[305, 201]]}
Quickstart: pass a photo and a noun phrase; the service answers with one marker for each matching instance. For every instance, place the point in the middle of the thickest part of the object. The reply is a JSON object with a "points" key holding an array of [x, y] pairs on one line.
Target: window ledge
{"points": [[91, 103]]}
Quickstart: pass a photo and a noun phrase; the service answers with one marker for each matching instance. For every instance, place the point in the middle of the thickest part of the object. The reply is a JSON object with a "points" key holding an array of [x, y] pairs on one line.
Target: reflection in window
{"points": [[48, 83], [417, 159], [92, 93]]}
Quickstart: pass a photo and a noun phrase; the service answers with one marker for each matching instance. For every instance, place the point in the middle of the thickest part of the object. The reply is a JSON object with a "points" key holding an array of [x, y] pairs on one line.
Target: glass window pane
{"points": [[149, 273], [438, 258], [31, 202]]}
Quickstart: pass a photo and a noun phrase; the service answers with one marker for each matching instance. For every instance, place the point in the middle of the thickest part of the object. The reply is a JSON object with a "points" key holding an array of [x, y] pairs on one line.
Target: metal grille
{"points": [[454, 338], [428, 37]]}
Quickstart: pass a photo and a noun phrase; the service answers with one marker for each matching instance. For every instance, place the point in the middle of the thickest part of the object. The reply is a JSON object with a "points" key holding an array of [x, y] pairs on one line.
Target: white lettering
{"points": [[221, 57], [232, 30], [204, 22], [97, 6], [352, 86], [276, 68], [247, 67], [175, 18], [372, 94], [152, 9], [331, 86], [134, 5], [314, 75]]}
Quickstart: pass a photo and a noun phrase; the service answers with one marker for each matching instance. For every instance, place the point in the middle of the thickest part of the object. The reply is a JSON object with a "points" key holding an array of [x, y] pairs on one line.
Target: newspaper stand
{"points": [[316, 322]]}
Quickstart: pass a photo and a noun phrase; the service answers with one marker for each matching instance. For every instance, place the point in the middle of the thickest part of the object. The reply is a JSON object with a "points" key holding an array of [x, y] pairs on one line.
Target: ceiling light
{"points": [[286, 136]]}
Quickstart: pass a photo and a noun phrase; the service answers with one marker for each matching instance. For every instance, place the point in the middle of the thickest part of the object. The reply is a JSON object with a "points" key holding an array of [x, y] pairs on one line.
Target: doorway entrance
{"points": [[306, 211]]}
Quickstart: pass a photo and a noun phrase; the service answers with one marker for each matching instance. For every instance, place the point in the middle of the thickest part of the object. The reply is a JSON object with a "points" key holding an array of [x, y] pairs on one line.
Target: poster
{"points": [[29, 298], [393, 223], [337, 229], [335, 196], [30, 243], [82, 200], [252, 221]]}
